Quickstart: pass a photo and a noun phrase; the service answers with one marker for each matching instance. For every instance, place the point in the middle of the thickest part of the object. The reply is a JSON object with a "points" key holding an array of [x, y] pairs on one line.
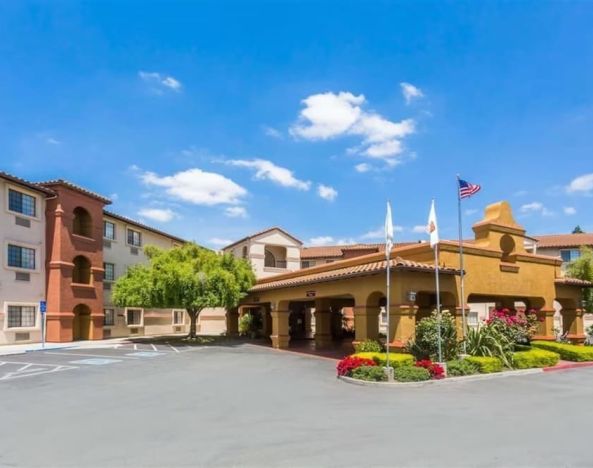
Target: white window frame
{"points": [[17, 188], [183, 314], [22, 304], [112, 309], [141, 237], [26, 245], [141, 324], [114, 230], [105, 276]]}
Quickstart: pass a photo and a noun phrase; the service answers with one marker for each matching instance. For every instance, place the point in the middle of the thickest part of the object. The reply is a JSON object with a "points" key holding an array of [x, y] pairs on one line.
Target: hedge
{"points": [[567, 352], [535, 358], [459, 367], [411, 374], [486, 364], [395, 359], [369, 373]]}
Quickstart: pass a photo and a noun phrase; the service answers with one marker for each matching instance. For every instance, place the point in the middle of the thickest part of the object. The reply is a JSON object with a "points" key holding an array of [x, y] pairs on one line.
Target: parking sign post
{"points": [[42, 310]]}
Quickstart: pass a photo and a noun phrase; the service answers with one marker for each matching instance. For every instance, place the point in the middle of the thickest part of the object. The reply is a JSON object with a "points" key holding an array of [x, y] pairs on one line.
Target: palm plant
{"points": [[488, 341]]}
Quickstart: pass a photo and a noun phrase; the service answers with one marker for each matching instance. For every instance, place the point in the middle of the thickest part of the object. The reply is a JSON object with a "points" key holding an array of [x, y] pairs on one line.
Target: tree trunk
{"points": [[193, 319]]}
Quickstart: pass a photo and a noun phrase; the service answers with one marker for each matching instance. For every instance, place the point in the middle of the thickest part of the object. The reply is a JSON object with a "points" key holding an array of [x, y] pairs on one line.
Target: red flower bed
{"points": [[348, 364], [436, 370]]}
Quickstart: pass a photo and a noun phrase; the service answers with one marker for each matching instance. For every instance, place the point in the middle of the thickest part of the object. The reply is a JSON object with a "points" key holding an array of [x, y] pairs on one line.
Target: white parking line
{"points": [[32, 369], [154, 347], [88, 354], [25, 367], [174, 348]]}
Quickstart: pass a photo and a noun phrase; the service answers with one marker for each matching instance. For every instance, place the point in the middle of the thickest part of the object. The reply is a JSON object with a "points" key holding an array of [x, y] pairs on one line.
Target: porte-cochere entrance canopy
{"points": [[498, 269]]}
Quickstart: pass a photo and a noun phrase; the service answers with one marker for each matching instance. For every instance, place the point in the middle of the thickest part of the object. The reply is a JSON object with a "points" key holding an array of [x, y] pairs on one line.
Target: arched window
{"points": [[244, 251], [82, 223], [269, 260], [81, 273]]}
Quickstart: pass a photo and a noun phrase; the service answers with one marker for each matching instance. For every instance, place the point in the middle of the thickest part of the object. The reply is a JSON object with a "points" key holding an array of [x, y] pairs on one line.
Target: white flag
{"points": [[388, 231], [433, 228]]}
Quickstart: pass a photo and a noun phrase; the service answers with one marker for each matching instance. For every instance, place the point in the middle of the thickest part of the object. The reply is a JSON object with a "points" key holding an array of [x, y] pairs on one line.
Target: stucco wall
{"points": [[21, 292]]}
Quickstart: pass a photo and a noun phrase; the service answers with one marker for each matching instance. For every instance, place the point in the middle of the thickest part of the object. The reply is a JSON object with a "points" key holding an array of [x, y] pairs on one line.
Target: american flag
{"points": [[466, 189]]}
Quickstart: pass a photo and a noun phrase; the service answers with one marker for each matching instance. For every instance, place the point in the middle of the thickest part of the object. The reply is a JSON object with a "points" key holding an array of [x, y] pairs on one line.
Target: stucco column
{"points": [[232, 322], [280, 336], [573, 322], [366, 323], [323, 335], [402, 324], [546, 326]]}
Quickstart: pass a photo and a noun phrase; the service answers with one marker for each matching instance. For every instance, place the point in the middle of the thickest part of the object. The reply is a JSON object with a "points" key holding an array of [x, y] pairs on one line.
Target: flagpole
{"points": [[387, 304], [438, 290], [461, 267]]}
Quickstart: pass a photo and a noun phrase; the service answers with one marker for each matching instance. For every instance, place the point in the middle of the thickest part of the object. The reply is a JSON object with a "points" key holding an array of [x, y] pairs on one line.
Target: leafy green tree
{"points": [[188, 277], [582, 268], [577, 230]]}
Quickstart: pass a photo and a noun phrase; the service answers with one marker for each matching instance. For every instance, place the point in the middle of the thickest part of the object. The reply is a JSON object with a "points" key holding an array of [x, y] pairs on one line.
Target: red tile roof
{"points": [[574, 282], [564, 240], [143, 226], [323, 251], [371, 268], [72, 186], [25, 183]]}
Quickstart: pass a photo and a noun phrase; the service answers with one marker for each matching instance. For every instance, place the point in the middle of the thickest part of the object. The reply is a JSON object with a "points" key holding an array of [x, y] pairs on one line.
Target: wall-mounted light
{"points": [[411, 296]]}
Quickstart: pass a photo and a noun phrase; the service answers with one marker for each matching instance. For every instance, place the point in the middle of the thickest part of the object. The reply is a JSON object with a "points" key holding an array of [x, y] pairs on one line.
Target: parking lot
{"points": [[246, 405]]}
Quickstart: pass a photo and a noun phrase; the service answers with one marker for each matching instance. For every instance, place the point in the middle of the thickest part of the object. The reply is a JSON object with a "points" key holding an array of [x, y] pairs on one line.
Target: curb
{"points": [[568, 366], [451, 380]]}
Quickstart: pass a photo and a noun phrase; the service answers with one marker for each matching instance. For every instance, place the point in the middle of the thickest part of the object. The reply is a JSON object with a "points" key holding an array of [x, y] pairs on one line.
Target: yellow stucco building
{"points": [[497, 267]]}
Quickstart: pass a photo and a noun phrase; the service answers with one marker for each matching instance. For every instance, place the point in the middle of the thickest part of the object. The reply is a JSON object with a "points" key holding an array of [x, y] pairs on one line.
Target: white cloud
{"points": [[235, 212], [536, 207], [272, 132], [53, 141], [157, 214], [411, 92], [321, 240], [159, 82], [267, 170], [363, 167], [198, 187], [114, 197], [470, 211], [330, 115], [419, 229], [582, 184], [569, 210], [379, 233], [326, 192], [218, 242]]}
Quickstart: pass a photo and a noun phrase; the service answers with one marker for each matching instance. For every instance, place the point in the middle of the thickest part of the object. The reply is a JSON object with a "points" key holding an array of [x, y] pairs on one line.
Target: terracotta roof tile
{"points": [[338, 250], [564, 240], [574, 282], [78, 188], [259, 234], [143, 226], [25, 183], [349, 272]]}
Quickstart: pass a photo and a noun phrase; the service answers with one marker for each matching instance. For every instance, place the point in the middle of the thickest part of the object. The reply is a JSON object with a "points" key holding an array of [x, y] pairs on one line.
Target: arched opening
{"points": [[81, 325], [244, 253], [270, 259], [82, 224], [81, 273]]}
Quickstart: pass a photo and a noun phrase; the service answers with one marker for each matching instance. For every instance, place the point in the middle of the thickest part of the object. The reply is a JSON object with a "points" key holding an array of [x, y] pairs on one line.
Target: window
{"points": [[21, 257], [21, 316], [82, 223], [109, 317], [570, 255], [307, 263], [109, 271], [178, 317], [134, 316], [472, 319], [22, 203], [269, 260], [244, 251], [134, 238], [109, 230], [81, 273]]}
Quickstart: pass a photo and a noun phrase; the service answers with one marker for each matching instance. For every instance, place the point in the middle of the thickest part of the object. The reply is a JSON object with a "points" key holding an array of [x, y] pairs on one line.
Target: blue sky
{"points": [[215, 119]]}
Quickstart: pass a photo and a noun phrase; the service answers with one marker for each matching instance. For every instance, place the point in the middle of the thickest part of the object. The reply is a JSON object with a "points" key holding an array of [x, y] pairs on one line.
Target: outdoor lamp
{"points": [[411, 295]]}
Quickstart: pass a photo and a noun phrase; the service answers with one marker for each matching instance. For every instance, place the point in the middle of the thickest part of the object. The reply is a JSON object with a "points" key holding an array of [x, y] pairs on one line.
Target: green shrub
{"points": [[370, 373], [460, 367], [491, 342], [486, 364], [368, 346], [425, 344], [245, 324], [411, 374], [567, 352], [395, 359], [534, 358]]}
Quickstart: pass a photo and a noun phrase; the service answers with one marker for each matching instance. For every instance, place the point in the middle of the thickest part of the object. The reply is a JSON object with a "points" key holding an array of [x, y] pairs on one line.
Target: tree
{"points": [[577, 230], [582, 268], [188, 277]]}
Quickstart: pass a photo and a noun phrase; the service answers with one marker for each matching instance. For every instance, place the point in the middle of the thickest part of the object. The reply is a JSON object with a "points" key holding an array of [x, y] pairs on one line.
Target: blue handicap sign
{"points": [[42, 307]]}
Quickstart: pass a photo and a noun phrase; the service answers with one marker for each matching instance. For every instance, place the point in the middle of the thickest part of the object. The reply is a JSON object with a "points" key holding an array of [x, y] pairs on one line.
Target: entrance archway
{"points": [[81, 326]]}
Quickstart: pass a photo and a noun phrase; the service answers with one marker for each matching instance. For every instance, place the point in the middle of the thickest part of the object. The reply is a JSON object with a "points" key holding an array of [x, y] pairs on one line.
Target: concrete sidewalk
{"points": [[29, 347]]}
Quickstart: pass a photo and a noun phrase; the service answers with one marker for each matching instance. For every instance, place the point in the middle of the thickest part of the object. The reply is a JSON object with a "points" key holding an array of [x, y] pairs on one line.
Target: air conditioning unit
{"points": [[107, 286], [106, 333], [22, 222], [106, 244], [134, 250], [22, 276], [22, 337]]}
